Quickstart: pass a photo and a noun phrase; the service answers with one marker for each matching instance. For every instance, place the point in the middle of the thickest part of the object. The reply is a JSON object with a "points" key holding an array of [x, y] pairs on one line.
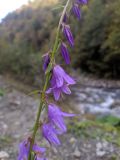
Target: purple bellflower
{"points": [[65, 53], [46, 59], [82, 1], [39, 152], [59, 76], [50, 134], [65, 18], [60, 82], [76, 10], [24, 151], [57, 91], [55, 116], [68, 34]]}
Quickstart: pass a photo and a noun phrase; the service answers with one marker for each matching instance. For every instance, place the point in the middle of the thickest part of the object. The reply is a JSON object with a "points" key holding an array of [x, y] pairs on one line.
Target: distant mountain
{"points": [[29, 32], [25, 35], [43, 2]]}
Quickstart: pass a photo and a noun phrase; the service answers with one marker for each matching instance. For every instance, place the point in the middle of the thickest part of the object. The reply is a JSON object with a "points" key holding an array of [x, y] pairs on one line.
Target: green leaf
{"points": [[2, 92], [58, 7]]}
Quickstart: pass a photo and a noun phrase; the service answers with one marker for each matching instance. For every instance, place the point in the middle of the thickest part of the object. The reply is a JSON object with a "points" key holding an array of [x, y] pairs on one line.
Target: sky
{"points": [[7, 6]]}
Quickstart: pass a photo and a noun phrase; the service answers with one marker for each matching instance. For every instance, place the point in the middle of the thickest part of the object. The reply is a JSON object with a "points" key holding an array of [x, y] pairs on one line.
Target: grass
{"points": [[5, 140], [105, 128], [2, 92]]}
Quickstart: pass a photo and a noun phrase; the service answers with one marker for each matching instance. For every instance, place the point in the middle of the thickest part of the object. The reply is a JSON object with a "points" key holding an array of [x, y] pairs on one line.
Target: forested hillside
{"points": [[27, 33], [99, 40]]}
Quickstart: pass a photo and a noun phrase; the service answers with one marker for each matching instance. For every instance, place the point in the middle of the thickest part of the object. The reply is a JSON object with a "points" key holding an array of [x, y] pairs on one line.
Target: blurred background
{"points": [[27, 31]]}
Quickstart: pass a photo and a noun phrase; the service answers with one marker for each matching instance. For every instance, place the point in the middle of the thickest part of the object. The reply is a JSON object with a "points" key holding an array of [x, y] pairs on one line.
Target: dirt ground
{"points": [[17, 115]]}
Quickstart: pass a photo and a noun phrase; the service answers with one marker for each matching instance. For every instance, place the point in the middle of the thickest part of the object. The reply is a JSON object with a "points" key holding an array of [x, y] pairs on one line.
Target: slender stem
{"points": [[36, 125], [58, 29]]}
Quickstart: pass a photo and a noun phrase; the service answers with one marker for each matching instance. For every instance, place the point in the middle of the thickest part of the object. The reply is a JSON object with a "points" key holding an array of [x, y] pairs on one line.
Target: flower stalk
{"points": [[36, 125], [59, 82]]}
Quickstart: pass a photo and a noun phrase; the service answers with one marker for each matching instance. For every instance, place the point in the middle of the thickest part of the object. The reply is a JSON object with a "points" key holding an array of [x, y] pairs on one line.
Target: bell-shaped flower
{"points": [[76, 10], [68, 34], [24, 148], [56, 116], [39, 152], [60, 82], [46, 61], [57, 91], [50, 134], [82, 1], [59, 77], [65, 53], [65, 18]]}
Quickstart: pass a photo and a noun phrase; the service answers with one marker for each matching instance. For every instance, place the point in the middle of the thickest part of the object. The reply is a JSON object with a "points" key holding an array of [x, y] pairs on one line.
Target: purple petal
{"points": [[65, 53], [49, 91], [46, 59], [66, 89], [68, 114], [68, 34], [23, 150], [76, 11], [36, 148], [39, 158], [59, 122], [69, 79], [82, 1], [58, 74], [56, 93], [65, 18], [50, 134], [54, 114]]}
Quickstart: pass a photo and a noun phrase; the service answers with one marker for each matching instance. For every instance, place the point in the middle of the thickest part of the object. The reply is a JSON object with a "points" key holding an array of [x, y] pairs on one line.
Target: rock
{"points": [[105, 144], [116, 112], [4, 155], [99, 150], [76, 153], [55, 150], [72, 140], [108, 102], [99, 146], [100, 153]]}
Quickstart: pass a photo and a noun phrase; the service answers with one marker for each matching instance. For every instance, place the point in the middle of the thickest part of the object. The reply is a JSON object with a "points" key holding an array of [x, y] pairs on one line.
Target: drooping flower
{"points": [[68, 34], [60, 82], [50, 134], [46, 59], [65, 53], [82, 1], [59, 76], [65, 18], [39, 152], [76, 10], [57, 91], [24, 151], [55, 116]]}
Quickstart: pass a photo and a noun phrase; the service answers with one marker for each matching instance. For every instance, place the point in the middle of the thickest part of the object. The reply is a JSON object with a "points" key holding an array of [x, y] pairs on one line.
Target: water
{"points": [[98, 101]]}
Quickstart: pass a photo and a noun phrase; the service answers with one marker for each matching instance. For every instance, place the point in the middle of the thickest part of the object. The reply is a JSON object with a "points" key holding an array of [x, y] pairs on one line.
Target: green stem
{"points": [[36, 125]]}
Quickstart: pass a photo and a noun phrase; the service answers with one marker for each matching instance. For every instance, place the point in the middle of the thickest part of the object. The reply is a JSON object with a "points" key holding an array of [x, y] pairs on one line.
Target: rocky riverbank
{"points": [[89, 141]]}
